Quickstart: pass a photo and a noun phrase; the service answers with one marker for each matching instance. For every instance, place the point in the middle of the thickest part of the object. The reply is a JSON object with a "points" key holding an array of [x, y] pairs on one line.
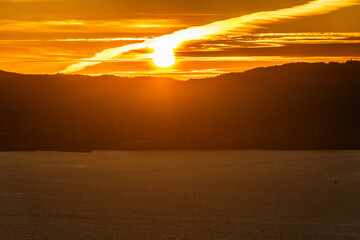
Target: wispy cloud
{"points": [[246, 23], [73, 25], [102, 39], [263, 40]]}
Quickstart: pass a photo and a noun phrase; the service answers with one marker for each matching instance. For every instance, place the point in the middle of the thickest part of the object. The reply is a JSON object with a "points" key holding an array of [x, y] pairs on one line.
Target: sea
{"points": [[238, 194]]}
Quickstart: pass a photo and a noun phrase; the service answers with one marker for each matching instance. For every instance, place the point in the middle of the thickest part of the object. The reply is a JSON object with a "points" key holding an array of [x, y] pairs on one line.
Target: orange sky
{"points": [[47, 36]]}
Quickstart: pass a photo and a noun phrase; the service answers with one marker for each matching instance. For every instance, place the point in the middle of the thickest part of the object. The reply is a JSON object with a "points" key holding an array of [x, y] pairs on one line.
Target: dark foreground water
{"points": [[180, 195]]}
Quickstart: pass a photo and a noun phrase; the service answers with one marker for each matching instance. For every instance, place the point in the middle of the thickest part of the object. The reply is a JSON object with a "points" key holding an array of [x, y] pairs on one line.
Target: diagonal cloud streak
{"points": [[166, 44]]}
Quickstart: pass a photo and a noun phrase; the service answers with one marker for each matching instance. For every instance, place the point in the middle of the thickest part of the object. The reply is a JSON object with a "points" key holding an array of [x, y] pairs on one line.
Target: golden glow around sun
{"points": [[163, 58], [165, 45]]}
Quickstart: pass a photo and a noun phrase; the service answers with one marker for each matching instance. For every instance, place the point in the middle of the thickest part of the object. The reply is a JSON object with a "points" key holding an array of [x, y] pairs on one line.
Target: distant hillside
{"points": [[293, 106]]}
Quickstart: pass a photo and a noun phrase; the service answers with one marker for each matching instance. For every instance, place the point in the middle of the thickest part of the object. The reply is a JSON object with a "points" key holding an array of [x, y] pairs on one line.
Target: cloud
{"points": [[246, 23], [72, 25], [269, 40]]}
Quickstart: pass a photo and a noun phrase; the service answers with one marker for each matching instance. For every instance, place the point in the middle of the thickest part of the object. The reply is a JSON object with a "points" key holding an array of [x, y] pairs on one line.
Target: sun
{"points": [[163, 58]]}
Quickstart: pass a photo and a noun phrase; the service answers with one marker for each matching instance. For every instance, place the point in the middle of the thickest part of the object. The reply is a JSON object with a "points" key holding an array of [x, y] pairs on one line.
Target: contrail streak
{"points": [[166, 44]]}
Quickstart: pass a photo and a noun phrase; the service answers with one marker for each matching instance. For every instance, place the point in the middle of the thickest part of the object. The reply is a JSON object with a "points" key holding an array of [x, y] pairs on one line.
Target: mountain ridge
{"points": [[291, 106]]}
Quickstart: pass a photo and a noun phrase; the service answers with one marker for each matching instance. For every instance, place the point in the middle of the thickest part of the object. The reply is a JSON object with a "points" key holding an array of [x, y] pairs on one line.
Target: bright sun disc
{"points": [[163, 58]]}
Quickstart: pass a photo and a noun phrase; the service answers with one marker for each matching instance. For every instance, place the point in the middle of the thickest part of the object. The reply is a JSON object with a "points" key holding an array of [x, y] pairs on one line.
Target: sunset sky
{"points": [[50, 36]]}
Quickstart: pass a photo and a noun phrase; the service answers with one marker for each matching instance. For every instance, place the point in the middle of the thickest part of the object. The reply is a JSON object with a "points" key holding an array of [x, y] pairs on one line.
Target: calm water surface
{"points": [[180, 195]]}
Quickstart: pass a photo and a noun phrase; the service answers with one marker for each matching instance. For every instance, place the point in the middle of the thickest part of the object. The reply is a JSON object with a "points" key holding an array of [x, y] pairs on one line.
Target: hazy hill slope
{"points": [[293, 106]]}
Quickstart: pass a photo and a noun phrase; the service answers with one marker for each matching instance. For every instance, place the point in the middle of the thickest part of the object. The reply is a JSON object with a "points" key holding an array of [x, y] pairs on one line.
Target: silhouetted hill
{"points": [[293, 106]]}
